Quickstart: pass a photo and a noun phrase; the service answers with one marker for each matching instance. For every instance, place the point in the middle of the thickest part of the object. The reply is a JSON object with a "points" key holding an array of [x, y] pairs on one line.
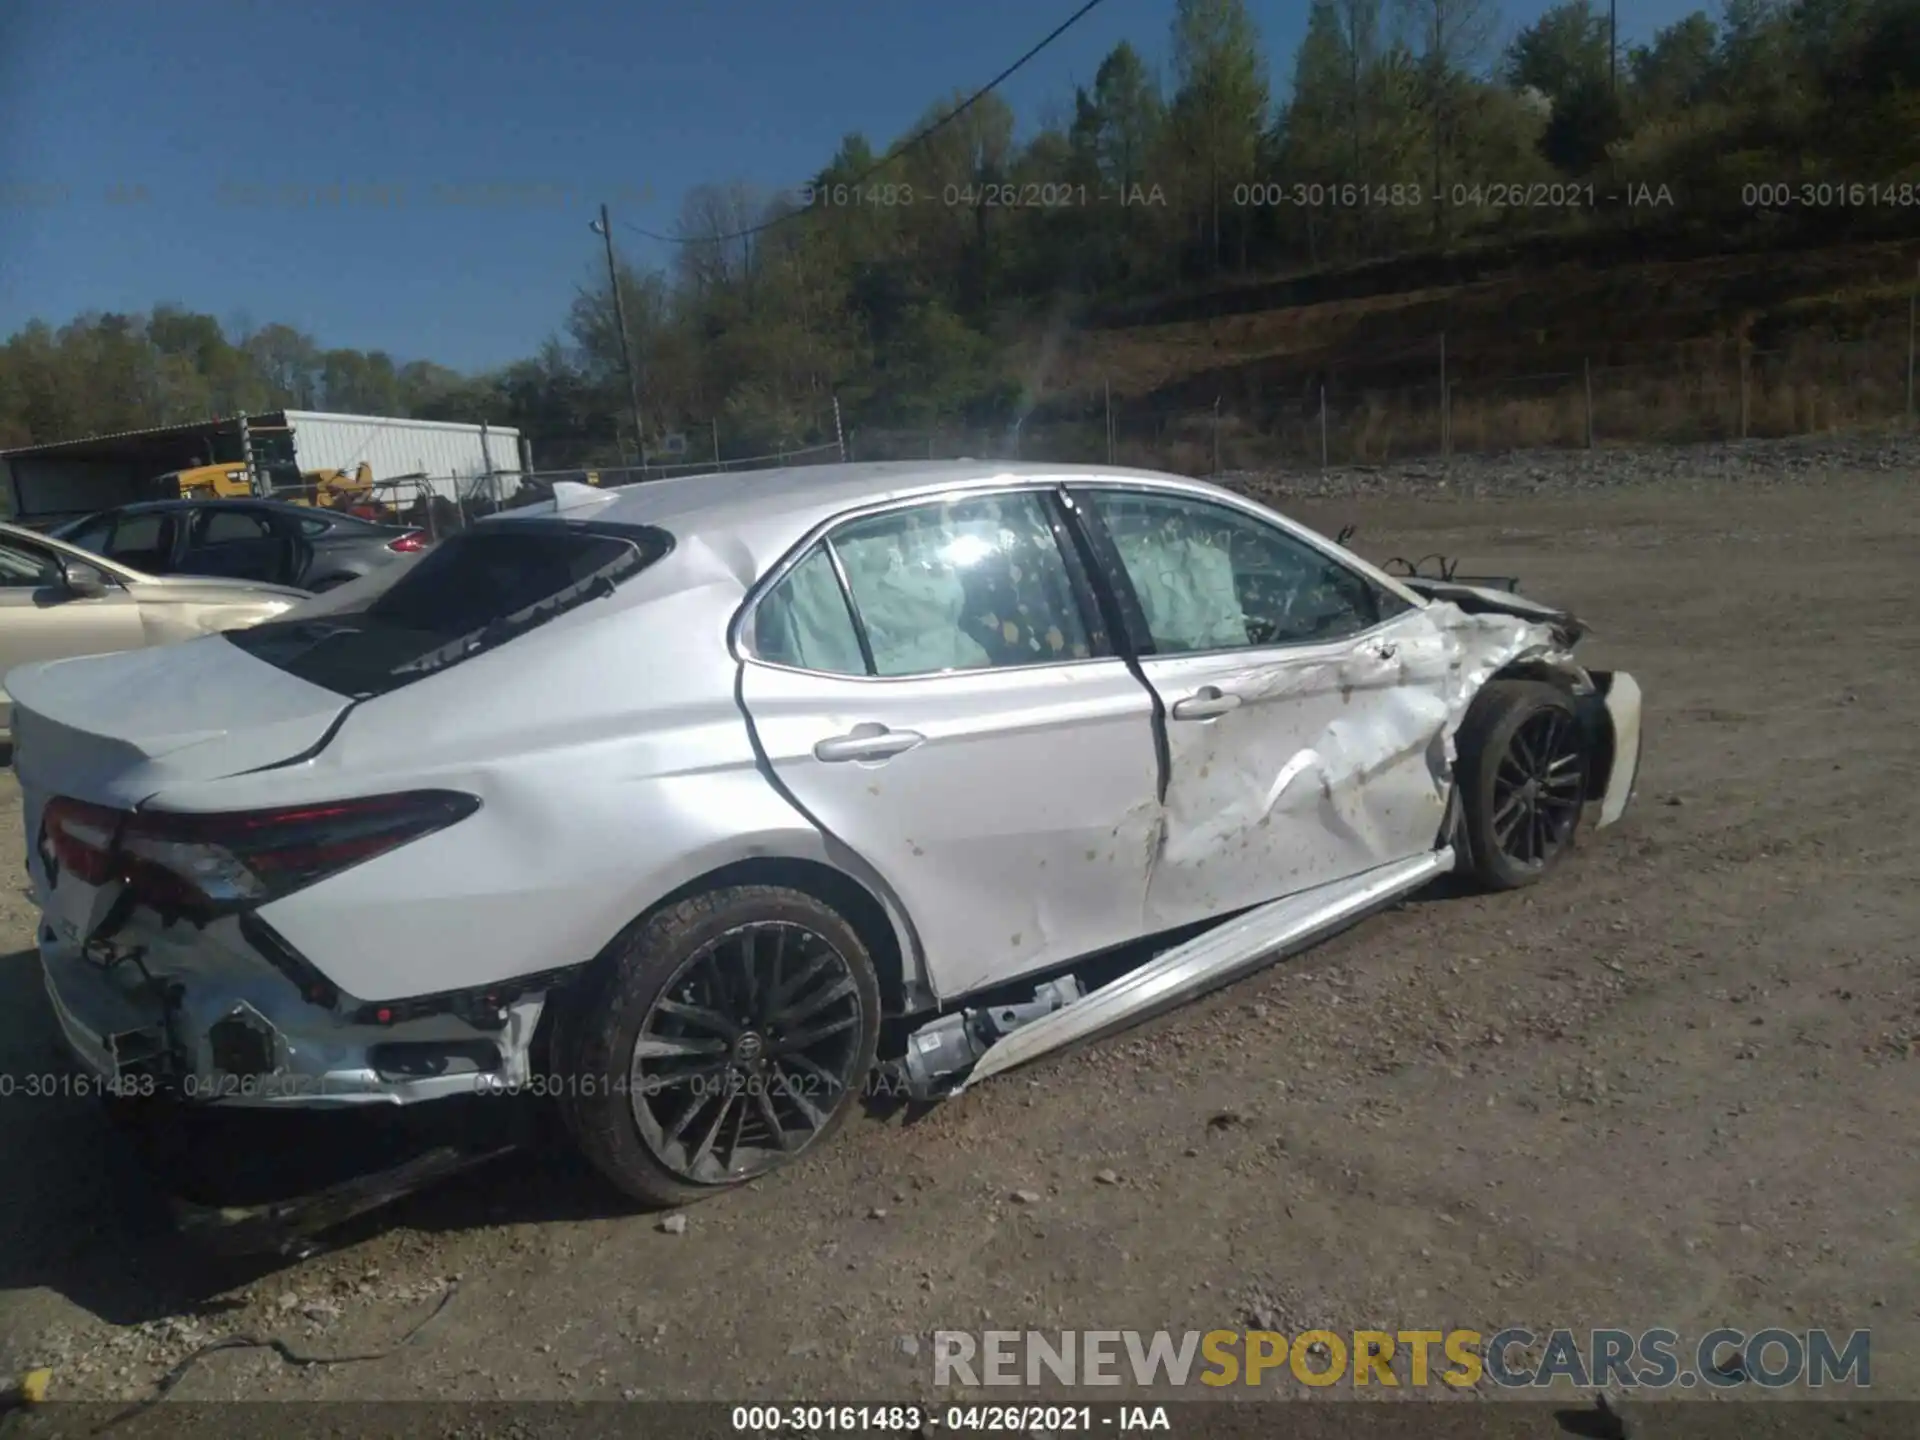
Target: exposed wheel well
{"points": [[833, 887], [1595, 719]]}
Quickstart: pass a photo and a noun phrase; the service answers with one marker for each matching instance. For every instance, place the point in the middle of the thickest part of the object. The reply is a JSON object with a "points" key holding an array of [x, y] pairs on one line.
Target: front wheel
{"points": [[718, 1040], [1523, 780]]}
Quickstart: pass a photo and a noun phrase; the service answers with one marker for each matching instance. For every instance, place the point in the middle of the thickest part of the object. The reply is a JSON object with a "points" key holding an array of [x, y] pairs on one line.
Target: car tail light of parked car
{"points": [[411, 542], [203, 866]]}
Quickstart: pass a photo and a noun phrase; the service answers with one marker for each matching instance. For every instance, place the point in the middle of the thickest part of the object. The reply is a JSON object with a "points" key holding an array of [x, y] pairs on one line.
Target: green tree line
{"points": [[907, 290]]}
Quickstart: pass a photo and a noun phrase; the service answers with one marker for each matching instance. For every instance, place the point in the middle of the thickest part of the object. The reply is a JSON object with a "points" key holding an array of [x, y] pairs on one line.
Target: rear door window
{"points": [[142, 541], [235, 541], [225, 527], [93, 536], [968, 584], [474, 592]]}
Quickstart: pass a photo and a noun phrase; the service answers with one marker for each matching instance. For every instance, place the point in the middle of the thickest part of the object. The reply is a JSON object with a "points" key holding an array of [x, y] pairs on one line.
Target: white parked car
{"points": [[58, 600], [660, 799]]}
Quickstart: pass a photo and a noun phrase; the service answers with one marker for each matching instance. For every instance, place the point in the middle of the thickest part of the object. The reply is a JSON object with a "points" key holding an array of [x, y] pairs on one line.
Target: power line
{"points": [[894, 154]]}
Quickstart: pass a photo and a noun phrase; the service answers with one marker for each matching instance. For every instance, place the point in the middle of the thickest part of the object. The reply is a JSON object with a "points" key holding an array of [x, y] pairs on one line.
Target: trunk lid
{"points": [[114, 729]]}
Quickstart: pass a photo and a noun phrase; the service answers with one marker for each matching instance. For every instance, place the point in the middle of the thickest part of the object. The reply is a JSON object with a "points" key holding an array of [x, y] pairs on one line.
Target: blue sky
{"points": [[417, 175]]}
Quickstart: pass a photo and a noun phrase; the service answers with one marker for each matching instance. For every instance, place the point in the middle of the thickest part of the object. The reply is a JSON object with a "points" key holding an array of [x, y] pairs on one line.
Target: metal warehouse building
{"points": [[76, 477]]}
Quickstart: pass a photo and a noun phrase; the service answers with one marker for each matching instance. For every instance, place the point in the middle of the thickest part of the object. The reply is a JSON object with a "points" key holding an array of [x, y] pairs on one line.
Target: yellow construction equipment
{"points": [[336, 489], [204, 482]]}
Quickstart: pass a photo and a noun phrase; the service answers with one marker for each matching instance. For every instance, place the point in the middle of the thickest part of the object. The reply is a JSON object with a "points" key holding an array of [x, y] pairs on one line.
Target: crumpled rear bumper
{"points": [[206, 1021]]}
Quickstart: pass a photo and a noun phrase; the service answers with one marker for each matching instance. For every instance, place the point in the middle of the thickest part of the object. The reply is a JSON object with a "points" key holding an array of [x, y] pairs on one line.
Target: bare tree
{"points": [[716, 254], [1359, 26], [1454, 40]]}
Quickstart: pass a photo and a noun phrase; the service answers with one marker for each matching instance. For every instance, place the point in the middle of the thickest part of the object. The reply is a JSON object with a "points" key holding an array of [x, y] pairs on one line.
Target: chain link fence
{"points": [[1334, 417], [443, 504]]}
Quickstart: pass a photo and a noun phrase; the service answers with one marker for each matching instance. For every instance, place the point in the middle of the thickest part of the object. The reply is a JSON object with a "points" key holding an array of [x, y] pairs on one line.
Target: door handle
{"points": [[867, 742], [1381, 649], [1205, 703]]}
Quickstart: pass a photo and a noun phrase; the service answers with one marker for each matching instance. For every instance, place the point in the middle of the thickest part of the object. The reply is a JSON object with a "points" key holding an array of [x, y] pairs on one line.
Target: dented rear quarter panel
{"points": [[613, 765]]}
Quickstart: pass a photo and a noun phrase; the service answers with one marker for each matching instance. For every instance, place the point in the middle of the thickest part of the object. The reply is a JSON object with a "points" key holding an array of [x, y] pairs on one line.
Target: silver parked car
{"points": [[58, 600], [268, 540], [658, 800]]}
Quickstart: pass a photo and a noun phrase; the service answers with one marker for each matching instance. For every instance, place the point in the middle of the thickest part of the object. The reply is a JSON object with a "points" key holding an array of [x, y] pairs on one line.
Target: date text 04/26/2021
{"points": [[1462, 195], [976, 195], [961, 1419], [749, 1084]]}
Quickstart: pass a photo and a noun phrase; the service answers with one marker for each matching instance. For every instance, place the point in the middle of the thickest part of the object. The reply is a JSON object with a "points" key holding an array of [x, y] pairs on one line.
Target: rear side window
{"points": [[969, 584], [482, 576], [217, 527], [804, 621], [92, 537], [143, 539], [476, 591]]}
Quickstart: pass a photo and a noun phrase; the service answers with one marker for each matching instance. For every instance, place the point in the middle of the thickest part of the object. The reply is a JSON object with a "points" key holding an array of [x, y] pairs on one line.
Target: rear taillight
{"points": [[411, 542], [202, 866], [80, 837]]}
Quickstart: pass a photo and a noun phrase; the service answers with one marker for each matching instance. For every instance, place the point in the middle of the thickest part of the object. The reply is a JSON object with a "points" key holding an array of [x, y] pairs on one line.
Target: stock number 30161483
{"points": [[59, 1085], [734, 1082]]}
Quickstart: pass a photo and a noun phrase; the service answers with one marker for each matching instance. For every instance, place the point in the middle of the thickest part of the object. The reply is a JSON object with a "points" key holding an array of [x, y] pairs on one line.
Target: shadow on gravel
{"points": [[87, 1199], [1442, 890]]}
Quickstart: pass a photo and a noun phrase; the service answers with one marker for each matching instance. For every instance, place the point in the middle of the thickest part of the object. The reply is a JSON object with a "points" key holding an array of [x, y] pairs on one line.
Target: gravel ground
{"points": [[1675, 1085]]}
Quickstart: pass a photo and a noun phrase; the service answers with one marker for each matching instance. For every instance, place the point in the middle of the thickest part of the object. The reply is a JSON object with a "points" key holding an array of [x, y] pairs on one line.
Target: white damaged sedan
{"points": [[662, 799]]}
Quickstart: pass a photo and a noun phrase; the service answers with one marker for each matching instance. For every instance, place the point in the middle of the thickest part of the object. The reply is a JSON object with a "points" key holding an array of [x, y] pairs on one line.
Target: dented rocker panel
{"points": [[1212, 959]]}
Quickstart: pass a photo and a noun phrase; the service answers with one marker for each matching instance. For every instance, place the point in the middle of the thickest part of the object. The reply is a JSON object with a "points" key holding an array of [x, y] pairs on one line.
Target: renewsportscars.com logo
{"points": [[1515, 1358]]}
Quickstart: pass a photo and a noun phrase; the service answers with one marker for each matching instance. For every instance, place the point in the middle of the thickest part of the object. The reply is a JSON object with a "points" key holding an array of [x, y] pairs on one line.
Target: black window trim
{"points": [[651, 542], [854, 617], [1113, 572], [1046, 490], [27, 547], [60, 556]]}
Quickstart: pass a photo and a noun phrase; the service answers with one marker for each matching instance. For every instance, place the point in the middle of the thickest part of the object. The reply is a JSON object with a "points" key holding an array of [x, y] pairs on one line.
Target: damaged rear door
{"points": [[1305, 705], [930, 685]]}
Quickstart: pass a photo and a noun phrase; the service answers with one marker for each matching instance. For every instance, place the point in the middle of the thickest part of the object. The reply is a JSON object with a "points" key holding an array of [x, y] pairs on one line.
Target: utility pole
{"points": [[1913, 309], [1613, 47], [604, 229]]}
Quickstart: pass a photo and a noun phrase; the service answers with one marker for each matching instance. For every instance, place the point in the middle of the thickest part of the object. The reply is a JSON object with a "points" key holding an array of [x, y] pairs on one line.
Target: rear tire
{"points": [[1523, 780], [717, 1041]]}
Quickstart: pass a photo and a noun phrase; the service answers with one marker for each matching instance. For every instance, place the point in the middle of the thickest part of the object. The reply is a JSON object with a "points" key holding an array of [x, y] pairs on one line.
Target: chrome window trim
{"points": [[1261, 515], [740, 632]]}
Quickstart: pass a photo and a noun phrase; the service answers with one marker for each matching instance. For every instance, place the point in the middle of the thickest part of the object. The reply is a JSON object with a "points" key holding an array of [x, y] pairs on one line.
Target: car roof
{"points": [[279, 507], [826, 490], [142, 507], [772, 509]]}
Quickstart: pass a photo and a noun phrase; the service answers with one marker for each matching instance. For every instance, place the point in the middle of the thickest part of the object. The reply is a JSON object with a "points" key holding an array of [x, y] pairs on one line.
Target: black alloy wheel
{"points": [[1537, 789], [1523, 781], [747, 1052], [715, 1040]]}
